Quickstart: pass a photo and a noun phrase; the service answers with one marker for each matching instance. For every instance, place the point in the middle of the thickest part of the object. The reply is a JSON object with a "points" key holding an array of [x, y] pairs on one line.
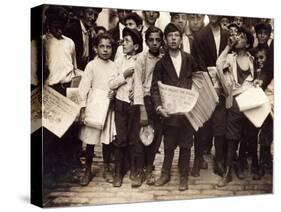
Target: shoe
{"points": [[107, 174], [227, 178], [183, 185], [149, 177], [164, 178], [195, 172], [218, 169], [117, 179], [203, 164], [138, 180], [86, 178], [240, 173]]}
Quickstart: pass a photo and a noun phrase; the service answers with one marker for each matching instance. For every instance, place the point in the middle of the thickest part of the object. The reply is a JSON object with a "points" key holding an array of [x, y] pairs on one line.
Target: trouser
{"points": [[177, 136]]}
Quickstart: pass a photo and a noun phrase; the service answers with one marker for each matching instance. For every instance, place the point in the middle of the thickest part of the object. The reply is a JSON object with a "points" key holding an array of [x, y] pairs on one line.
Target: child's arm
{"points": [[85, 84]]}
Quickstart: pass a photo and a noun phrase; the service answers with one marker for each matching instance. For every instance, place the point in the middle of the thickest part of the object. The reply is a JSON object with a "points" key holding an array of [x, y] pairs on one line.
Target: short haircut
{"points": [[134, 16], [104, 35], [263, 26], [153, 29], [250, 37], [171, 28], [98, 28], [136, 37], [56, 14]]}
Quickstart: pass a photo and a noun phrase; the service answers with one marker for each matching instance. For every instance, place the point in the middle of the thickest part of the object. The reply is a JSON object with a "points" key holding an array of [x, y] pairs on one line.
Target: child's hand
{"points": [[163, 112], [82, 116], [257, 83], [128, 72], [131, 95], [111, 94], [232, 40]]}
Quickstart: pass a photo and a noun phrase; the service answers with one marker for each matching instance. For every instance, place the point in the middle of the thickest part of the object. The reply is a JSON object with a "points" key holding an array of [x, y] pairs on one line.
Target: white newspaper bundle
{"points": [[207, 100], [254, 104], [97, 109], [177, 101], [59, 112]]}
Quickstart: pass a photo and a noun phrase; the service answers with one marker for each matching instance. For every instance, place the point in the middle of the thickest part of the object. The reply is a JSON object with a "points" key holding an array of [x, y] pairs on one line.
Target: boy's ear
{"points": [[136, 47], [139, 28], [96, 50]]}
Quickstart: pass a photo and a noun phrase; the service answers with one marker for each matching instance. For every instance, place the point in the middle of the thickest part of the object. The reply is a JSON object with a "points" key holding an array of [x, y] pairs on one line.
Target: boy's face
{"points": [[238, 21], [260, 58], [129, 47], [154, 42], [104, 49], [241, 40], [224, 23], [233, 30], [173, 40], [150, 17], [180, 20], [122, 14], [56, 29], [89, 17], [262, 36], [214, 19], [131, 24], [196, 22]]}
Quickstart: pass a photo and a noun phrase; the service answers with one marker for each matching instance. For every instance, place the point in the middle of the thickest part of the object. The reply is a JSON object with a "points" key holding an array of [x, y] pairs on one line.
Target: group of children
{"points": [[131, 81]]}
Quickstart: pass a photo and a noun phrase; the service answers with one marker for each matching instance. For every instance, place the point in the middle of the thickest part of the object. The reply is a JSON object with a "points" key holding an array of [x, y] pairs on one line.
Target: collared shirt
{"points": [[186, 43], [217, 37], [121, 27], [117, 81], [145, 65], [177, 63], [60, 58], [85, 35]]}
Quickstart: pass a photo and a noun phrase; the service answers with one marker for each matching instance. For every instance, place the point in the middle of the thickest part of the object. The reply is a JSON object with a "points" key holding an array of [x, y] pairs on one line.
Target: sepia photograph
{"points": [[136, 105]]}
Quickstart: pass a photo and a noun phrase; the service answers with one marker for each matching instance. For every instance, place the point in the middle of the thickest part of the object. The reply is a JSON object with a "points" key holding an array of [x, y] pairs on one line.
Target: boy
{"points": [[96, 75], [143, 76], [263, 31], [240, 65], [127, 114], [132, 21], [195, 22], [180, 19], [174, 68]]}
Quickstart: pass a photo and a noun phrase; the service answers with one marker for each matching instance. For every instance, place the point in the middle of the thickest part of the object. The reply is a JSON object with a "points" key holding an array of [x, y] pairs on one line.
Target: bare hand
{"points": [[111, 94], [128, 72], [257, 83], [163, 112]]}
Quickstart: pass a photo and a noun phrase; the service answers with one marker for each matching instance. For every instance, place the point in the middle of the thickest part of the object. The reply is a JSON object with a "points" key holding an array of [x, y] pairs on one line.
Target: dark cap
{"points": [[232, 25], [136, 37], [267, 27], [134, 16], [171, 28], [56, 14]]}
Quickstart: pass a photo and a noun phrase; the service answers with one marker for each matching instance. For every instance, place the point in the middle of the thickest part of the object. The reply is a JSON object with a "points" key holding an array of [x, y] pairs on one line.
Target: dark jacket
{"points": [[74, 31], [165, 72], [204, 47]]}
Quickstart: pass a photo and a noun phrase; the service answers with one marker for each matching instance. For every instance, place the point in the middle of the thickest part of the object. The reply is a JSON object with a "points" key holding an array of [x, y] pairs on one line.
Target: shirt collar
{"points": [[51, 36], [151, 56], [128, 57], [83, 27]]}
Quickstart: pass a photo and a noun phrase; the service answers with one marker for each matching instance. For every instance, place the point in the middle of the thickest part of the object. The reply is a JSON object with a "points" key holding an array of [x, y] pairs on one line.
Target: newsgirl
{"points": [[96, 77]]}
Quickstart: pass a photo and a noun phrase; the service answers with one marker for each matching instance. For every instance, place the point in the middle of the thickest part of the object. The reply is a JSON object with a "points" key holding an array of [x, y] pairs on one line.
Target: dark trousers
{"points": [[155, 120], [127, 119], [177, 136]]}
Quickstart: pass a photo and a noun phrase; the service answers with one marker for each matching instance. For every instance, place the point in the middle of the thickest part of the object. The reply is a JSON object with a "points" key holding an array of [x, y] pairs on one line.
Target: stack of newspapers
{"points": [[207, 100]]}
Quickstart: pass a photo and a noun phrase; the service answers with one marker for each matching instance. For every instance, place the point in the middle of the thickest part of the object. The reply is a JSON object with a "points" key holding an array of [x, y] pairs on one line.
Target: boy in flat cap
{"points": [[127, 113], [174, 68], [263, 31]]}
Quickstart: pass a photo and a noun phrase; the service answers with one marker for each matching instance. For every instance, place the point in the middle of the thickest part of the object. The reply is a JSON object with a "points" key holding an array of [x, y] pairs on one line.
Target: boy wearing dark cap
{"points": [[127, 113], [240, 66], [174, 68]]}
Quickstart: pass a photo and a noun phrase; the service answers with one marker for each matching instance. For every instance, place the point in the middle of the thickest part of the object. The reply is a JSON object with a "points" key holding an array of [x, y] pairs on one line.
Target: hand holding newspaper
{"points": [[177, 101]]}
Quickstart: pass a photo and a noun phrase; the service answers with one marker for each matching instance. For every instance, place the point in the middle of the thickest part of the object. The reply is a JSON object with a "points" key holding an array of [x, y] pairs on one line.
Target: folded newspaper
{"points": [[177, 101], [254, 104]]}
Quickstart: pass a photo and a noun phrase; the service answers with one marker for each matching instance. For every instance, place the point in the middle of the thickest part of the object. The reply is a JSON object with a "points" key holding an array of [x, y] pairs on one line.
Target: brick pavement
{"points": [[67, 191]]}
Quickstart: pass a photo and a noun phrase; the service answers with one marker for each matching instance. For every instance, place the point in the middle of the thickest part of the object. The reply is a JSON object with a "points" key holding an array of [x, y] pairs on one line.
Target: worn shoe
{"points": [[86, 178], [150, 179], [107, 174], [218, 169], [164, 178], [183, 185], [227, 178], [138, 179], [195, 172]]}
